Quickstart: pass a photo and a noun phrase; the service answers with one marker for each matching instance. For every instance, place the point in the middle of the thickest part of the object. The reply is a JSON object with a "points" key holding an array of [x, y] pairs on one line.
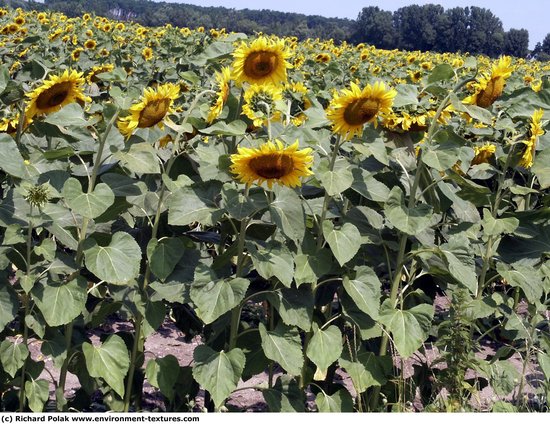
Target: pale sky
{"points": [[533, 15]]}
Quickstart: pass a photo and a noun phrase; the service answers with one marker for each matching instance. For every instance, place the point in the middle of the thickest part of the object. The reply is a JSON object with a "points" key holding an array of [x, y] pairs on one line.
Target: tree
{"points": [[516, 43], [375, 26], [545, 47], [485, 32]]}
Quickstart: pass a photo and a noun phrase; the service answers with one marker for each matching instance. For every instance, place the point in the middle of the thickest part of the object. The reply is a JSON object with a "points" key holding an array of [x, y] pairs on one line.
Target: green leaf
{"points": [[524, 277], [338, 180], [365, 291], [285, 397], [339, 402], [121, 185], [218, 372], [164, 255], [215, 298], [502, 375], [11, 161], [13, 356], [366, 185], [4, 78], [410, 221], [60, 303], [235, 128], [274, 260], [9, 304], [367, 369], [90, 205], [139, 158], [37, 393], [70, 115], [477, 113], [344, 242], [239, 206], [196, 203], [441, 72], [288, 214], [117, 263], [294, 305], [492, 226], [409, 328], [541, 168], [324, 348], [283, 346], [161, 373], [108, 361], [309, 268], [407, 94]]}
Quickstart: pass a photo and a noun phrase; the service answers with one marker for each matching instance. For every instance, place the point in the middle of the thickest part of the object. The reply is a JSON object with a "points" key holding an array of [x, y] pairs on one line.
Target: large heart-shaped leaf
{"points": [[411, 221], [9, 305], [409, 328], [116, 263], [164, 255], [108, 361], [13, 356], [284, 346], [364, 289], [339, 402], [215, 298], [288, 214], [37, 393], [344, 242], [324, 348], [90, 205], [218, 372], [162, 374], [60, 303]]}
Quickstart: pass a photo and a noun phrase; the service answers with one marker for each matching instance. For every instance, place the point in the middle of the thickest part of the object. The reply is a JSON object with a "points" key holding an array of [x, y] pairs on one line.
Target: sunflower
{"points": [[153, 106], [259, 103], [56, 92], [483, 153], [98, 69], [90, 44], [222, 92], [272, 162], [147, 53], [297, 93], [490, 86], [263, 61], [75, 54], [354, 107], [528, 156]]}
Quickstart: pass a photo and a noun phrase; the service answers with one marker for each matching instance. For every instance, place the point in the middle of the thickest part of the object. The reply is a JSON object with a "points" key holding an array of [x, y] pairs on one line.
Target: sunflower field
{"points": [[332, 227]]}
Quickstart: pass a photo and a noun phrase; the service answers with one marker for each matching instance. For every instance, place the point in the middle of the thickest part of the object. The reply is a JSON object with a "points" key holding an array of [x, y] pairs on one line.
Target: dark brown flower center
{"points": [[260, 64], [272, 166], [361, 111], [153, 112], [53, 96]]}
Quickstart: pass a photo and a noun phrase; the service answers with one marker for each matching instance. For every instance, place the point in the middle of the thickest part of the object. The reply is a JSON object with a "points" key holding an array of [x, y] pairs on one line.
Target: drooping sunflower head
{"points": [[483, 153], [56, 92], [150, 111], [222, 92], [259, 103], [297, 93], [273, 163], [536, 130], [354, 107], [263, 61], [490, 86]]}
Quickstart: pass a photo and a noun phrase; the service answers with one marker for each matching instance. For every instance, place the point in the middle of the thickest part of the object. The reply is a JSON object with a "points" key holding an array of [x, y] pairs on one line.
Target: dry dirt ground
{"points": [[168, 339]]}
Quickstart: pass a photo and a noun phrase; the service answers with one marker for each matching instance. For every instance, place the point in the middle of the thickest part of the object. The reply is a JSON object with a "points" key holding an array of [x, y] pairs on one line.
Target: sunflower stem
{"points": [[328, 198]]}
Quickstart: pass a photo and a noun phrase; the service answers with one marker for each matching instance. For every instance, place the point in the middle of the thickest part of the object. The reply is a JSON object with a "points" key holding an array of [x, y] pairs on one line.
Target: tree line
{"points": [[429, 27]]}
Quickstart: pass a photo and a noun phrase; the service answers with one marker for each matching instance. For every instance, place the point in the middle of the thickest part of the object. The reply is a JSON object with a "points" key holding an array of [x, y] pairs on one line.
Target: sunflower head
{"points": [[483, 153], [490, 86], [259, 103], [272, 162], [56, 92], [147, 53], [354, 107], [536, 130], [263, 61], [150, 111], [222, 92], [98, 69]]}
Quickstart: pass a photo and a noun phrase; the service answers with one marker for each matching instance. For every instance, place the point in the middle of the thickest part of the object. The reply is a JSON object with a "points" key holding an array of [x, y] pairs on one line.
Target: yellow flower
{"points": [[263, 61], [75, 54], [222, 83], [147, 53], [354, 107], [272, 163], [56, 92], [483, 153], [153, 106], [90, 44], [259, 103], [528, 156], [490, 86], [98, 69]]}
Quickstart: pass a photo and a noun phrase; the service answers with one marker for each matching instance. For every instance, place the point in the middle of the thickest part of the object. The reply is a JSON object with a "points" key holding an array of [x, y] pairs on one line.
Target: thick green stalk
{"points": [[60, 391], [25, 327]]}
